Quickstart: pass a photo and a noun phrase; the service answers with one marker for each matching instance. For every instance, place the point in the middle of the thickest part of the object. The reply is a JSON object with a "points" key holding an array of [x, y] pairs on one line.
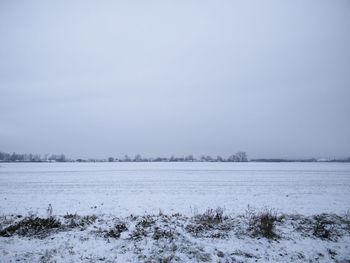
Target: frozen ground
{"points": [[158, 212], [124, 188]]}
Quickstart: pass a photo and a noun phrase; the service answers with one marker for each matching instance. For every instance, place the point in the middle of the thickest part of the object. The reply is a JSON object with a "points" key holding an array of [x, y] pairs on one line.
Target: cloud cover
{"points": [[106, 78]]}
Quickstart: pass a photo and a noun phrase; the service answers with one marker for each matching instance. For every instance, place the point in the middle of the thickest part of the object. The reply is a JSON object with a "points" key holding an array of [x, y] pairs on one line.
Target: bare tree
{"points": [[241, 157], [138, 158]]}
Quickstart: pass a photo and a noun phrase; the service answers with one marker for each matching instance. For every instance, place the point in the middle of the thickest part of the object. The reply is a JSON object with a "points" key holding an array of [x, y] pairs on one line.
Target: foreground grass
{"points": [[213, 236]]}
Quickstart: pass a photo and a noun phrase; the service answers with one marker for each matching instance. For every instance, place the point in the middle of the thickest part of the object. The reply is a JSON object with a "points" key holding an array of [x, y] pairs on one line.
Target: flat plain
{"points": [[187, 212]]}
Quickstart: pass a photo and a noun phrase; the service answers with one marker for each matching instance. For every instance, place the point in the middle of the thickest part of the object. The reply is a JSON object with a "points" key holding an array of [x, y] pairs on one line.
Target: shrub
{"points": [[212, 216], [262, 223], [211, 224], [324, 227]]}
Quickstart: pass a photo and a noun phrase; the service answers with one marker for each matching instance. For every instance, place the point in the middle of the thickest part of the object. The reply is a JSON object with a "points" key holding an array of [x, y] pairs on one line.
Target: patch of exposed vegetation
{"points": [[211, 216], [211, 224], [32, 226], [142, 227], [74, 220], [262, 223], [116, 231], [176, 237], [160, 233], [243, 254], [323, 226]]}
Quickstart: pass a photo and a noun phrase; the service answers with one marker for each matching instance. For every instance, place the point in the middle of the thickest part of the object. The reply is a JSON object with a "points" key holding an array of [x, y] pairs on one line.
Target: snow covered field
{"points": [[158, 212], [124, 188]]}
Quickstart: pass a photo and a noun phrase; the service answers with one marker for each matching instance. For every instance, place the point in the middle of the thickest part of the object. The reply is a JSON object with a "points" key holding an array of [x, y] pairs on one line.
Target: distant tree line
{"points": [[310, 160], [238, 157], [17, 157]]}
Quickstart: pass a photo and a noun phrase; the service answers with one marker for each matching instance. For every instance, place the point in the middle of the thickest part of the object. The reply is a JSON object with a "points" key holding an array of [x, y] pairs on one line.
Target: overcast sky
{"points": [[108, 78]]}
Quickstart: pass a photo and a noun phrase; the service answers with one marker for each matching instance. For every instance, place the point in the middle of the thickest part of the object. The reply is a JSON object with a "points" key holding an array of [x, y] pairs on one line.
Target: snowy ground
{"points": [[167, 202], [124, 188]]}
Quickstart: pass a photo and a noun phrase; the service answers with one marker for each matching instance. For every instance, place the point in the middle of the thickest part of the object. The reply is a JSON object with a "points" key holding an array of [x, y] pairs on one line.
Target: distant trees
{"points": [[189, 158], [15, 157], [138, 158], [127, 158], [241, 157], [5, 157], [160, 159], [207, 158], [202, 158], [57, 158], [219, 159], [238, 157]]}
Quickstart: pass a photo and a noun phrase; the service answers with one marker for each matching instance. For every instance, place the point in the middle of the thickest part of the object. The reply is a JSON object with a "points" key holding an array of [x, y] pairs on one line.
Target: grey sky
{"points": [[107, 78]]}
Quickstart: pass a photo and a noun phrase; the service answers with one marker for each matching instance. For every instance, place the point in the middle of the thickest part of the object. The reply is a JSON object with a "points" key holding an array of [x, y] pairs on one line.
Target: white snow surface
{"points": [[135, 188], [158, 191]]}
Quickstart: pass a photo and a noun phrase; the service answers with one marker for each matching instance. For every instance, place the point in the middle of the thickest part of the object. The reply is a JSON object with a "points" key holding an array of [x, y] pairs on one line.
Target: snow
{"points": [[156, 191], [90, 244], [124, 188]]}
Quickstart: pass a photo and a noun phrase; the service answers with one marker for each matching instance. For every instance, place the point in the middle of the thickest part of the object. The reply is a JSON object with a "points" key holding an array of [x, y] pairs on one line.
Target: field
{"points": [[165, 212]]}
